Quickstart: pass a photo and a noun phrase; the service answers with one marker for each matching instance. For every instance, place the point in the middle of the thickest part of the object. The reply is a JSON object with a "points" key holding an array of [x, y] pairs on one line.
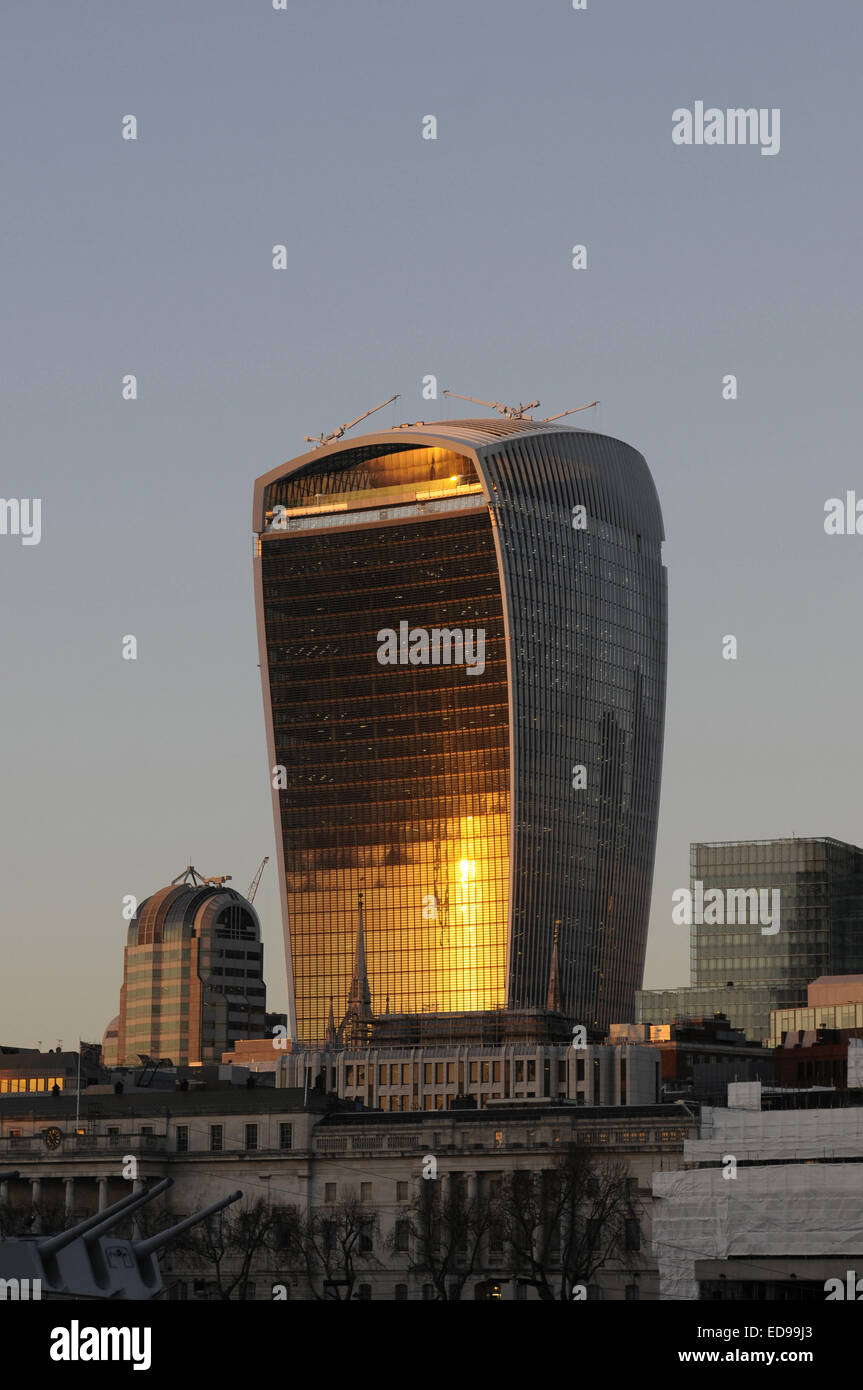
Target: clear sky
{"points": [[405, 257]]}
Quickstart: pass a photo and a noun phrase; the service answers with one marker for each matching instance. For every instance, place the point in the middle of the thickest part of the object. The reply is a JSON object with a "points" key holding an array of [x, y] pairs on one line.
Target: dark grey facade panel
{"points": [[588, 628]]}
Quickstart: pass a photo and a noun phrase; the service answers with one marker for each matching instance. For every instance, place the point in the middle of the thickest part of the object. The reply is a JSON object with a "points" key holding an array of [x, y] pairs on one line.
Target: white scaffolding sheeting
{"points": [[765, 1212], [855, 1062], [773, 1134]]}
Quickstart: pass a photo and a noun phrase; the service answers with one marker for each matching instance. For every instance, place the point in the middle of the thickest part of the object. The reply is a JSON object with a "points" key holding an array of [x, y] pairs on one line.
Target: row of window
{"points": [[366, 1191], [250, 1138], [439, 1073], [235, 971], [631, 1136], [17, 1085]]}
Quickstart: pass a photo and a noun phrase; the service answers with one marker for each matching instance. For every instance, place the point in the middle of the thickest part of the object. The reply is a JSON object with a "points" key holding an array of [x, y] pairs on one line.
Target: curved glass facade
{"points": [[440, 647]]}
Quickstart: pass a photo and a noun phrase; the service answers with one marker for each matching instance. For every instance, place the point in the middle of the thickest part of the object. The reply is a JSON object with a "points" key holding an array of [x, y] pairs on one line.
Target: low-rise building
{"points": [[701, 1057], [317, 1160], [832, 1001], [39, 1074], [440, 1077], [771, 1204]]}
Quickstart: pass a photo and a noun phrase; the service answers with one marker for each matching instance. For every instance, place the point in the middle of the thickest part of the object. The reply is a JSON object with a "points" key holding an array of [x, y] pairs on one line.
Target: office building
{"points": [[744, 963], [832, 1001], [26, 1069], [193, 976], [700, 1055], [343, 1170], [462, 635], [440, 1077]]}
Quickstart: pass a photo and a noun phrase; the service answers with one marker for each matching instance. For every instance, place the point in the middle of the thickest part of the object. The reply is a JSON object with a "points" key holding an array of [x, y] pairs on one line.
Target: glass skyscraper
{"points": [[743, 971], [462, 632]]}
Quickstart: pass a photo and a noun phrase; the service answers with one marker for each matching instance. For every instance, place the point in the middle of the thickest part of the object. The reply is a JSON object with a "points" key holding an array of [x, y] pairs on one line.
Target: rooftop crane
{"points": [[548, 419], [321, 439], [198, 880], [519, 412], [509, 412], [253, 886]]}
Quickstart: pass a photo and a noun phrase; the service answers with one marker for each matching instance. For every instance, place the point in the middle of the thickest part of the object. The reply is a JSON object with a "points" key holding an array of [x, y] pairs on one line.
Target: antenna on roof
{"points": [[321, 439], [548, 419], [509, 412]]}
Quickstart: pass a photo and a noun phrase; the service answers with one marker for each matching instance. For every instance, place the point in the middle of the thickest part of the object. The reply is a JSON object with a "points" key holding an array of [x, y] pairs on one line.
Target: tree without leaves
{"points": [[564, 1224], [36, 1218], [228, 1244], [444, 1234], [327, 1247]]}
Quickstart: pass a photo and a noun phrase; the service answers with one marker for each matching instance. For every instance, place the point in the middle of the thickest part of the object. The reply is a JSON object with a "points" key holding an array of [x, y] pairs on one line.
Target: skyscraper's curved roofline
{"points": [[470, 435], [179, 911]]}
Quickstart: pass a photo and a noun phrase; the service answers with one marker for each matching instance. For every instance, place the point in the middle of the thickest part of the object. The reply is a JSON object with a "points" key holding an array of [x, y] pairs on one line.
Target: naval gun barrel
{"points": [[142, 1248], [94, 1226]]}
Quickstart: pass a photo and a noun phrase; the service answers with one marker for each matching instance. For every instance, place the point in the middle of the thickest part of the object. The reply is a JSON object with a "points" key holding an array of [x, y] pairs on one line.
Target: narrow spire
{"points": [[358, 1015], [330, 1039], [360, 996], [554, 1002]]}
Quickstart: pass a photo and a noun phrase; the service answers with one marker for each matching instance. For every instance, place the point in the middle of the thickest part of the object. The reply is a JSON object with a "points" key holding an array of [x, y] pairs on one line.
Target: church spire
{"points": [[331, 1040], [359, 1016], [554, 1002]]}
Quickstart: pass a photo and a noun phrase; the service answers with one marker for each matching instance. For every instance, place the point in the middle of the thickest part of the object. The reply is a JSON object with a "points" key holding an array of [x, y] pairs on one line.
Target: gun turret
{"points": [[102, 1221], [88, 1262]]}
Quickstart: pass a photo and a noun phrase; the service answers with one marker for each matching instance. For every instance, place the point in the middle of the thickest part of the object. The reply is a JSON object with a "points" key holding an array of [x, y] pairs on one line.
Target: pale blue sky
{"points": [[405, 257]]}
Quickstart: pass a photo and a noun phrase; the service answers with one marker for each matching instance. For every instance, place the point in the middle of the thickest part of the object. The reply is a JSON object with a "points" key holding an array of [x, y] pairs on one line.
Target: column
{"points": [[69, 1204], [473, 1205], [36, 1197], [137, 1186], [103, 1193]]}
